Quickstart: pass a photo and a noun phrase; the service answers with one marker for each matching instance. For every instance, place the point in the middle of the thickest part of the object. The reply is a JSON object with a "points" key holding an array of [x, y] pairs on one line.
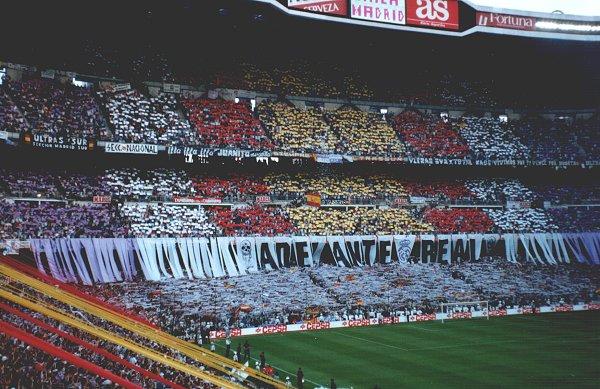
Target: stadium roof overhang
{"points": [[459, 18]]}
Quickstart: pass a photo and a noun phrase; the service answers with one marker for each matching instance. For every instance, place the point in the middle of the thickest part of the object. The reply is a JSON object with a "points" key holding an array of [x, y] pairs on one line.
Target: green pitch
{"points": [[549, 350]]}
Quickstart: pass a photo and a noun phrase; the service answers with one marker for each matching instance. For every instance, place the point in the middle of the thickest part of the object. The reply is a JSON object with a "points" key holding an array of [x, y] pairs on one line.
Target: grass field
{"points": [[550, 350]]}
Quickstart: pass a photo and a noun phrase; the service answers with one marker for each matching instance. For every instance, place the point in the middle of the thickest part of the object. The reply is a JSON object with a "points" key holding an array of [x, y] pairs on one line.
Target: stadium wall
{"points": [[325, 325]]}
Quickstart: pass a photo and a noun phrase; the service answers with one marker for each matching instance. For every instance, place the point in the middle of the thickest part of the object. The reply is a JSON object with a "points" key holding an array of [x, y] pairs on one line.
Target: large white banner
{"points": [[387, 11], [93, 260]]}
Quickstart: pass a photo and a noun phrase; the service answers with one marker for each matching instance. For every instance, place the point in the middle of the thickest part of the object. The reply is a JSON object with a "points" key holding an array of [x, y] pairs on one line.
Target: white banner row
{"points": [[101, 260]]}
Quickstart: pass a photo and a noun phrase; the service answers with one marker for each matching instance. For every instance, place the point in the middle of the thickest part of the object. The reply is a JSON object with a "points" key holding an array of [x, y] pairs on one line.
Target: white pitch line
{"points": [[560, 340], [418, 327], [532, 317], [371, 341], [278, 368]]}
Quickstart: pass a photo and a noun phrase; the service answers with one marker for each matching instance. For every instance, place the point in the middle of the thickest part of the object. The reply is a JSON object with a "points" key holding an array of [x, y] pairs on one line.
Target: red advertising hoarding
{"points": [[514, 22], [197, 200], [433, 13], [388, 11], [331, 7], [101, 199]]}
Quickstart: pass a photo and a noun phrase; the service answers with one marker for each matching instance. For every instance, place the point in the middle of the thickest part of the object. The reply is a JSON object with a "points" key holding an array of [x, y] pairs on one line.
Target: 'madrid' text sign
{"points": [[387, 11]]}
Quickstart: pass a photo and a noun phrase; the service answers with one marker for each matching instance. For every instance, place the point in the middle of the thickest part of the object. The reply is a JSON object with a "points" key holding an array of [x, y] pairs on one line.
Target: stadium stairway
{"points": [[106, 312], [24, 268], [10, 330], [98, 350]]}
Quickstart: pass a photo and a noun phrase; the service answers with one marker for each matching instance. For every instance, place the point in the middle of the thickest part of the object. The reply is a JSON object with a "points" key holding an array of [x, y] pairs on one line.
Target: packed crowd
{"points": [[548, 140], [23, 366], [355, 221], [489, 139], [10, 116], [576, 219], [336, 187], [429, 136], [97, 350], [23, 220], [223, 124], [499, 191], [158, 220], [523, 220], [60, 109], [136, 118], [329, 293], [43, 204], [587, 136], [363, 133], [458, 220], [167, 184], [135, 184], [297, 130], [256, 220], [42, 367], [235, 186]]}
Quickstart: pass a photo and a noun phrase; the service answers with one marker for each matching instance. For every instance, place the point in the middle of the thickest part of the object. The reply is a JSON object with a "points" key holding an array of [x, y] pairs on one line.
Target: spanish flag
{"points": [[313, 199]]}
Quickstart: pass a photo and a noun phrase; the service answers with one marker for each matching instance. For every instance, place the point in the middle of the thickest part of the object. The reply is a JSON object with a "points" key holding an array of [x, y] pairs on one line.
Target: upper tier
{"points": [[52, 107]]}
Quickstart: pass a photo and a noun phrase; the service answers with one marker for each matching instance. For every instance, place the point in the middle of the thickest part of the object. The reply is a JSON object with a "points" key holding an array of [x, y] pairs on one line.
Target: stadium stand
{"points": [[498, 191], [234, 187], [11, 119], [458, 220], [547, 140], [256, 220], [437, 189], [222, 124], [23, 220], [338, 293], [363, 133], [297, 130], [134, 184], [54, 108], [139, 119], [336, 187], [157, 351], [488, 139], [522, 220], [563, 193], [355, 221], [155, 220], [576, 219], [587, 136], [237, 173], [429, 136], [22, 183]]}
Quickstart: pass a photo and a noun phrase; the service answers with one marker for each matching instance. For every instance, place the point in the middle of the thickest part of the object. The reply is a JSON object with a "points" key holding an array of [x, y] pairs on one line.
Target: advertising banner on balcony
{"points": [[101, 199], [514, 22], [130, 148], [331, 7], [433, 13], [388, 11], [46, 141]]}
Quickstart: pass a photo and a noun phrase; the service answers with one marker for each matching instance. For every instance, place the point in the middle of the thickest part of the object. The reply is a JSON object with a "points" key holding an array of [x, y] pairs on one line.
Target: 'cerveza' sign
{"points": [[57, 142]]}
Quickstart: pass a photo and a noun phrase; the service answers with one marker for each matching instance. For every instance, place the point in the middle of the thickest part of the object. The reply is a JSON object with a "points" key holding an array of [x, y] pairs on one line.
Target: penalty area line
{"points": [[370, 341]]}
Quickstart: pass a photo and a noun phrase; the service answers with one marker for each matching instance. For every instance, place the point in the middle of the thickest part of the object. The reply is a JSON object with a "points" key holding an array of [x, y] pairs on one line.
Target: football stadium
{"points": [[265, 194]]}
